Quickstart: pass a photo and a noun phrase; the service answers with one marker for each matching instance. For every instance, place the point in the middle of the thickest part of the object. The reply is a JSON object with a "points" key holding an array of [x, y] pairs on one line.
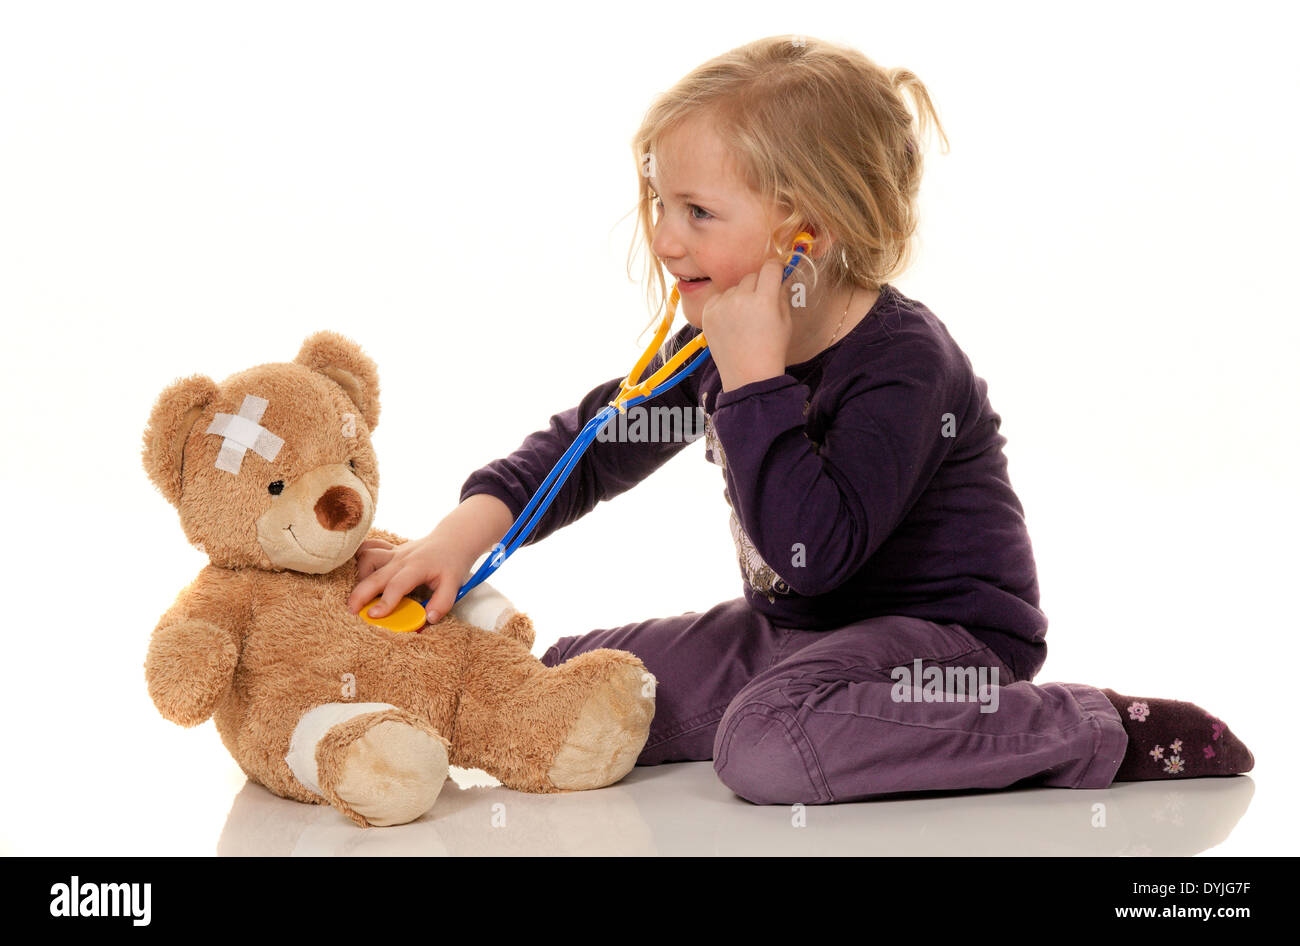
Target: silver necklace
{"points": [[843, 317]]}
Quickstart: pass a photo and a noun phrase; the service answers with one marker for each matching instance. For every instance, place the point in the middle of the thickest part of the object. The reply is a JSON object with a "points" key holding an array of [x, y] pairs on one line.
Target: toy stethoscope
{"points": [[409, 614]]}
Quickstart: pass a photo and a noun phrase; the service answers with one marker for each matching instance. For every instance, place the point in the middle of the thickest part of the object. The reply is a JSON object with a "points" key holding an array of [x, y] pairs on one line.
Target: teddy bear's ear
{"points": [[341, 360], [170, 423]]}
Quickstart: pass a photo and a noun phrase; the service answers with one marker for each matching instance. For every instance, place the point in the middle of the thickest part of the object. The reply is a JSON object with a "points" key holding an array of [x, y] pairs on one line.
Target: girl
{"points": [[890, 629]]}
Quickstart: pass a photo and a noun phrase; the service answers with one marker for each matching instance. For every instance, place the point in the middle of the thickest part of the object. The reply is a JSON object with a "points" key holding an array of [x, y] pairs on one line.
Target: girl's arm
{"points": [[609, 466], [830, 506]]}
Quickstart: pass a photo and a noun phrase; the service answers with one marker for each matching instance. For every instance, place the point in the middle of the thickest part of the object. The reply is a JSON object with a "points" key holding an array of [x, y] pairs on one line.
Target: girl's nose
{"points": [[664, 245]]}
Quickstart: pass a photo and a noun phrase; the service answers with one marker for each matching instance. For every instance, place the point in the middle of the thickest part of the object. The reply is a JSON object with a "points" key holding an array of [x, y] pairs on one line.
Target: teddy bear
{"points": [[275, 479]]}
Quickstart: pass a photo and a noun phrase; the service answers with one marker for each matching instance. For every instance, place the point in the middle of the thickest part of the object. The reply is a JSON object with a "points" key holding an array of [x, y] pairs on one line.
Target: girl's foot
{"points": [[1173, 739]]}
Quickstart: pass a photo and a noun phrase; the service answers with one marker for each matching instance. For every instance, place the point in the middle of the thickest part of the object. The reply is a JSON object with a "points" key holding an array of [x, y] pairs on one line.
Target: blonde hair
{"points": [[814, 128]]}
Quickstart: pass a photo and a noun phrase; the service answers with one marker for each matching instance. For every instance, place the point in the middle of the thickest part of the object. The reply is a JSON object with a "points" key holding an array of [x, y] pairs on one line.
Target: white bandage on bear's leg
{"points": [[484, 606], [311, 729]]}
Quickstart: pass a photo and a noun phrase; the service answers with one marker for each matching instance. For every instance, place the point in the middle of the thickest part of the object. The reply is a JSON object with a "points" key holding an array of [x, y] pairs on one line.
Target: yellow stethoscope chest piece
{"points": [[408, 616]]}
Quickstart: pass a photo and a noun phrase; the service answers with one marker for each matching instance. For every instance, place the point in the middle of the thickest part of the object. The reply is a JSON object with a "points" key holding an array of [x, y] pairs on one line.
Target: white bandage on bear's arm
{"points": [[484, 606]]}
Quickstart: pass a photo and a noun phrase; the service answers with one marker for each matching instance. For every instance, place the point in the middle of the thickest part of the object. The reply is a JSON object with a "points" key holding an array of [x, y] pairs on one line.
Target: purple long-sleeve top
{"points": [[868, 480]]}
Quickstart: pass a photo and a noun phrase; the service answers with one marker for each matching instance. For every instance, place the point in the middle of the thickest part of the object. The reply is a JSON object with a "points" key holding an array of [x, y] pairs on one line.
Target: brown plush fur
{"points": [[263, 634]]}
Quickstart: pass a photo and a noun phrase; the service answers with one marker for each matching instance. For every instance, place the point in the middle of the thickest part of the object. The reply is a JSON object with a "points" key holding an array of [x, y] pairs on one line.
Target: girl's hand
{"points": [[443, 560], [748, 328], [439, 560]]}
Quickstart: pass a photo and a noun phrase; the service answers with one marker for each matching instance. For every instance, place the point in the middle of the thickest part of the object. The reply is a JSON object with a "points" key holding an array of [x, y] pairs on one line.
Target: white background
{"points": [[195, 188]]}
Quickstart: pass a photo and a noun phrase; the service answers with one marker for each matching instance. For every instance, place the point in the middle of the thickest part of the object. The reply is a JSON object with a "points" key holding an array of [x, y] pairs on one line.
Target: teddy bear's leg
{"points": [[576, 726], [375, 763], [610, 730]]}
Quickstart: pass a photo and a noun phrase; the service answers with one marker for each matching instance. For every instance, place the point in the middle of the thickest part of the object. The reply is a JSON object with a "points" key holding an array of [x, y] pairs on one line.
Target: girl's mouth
{"points": [[691, 285]]}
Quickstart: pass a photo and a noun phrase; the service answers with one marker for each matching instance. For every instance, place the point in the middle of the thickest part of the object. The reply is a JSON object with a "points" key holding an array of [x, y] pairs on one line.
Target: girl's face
{"points": [[708, 223]]}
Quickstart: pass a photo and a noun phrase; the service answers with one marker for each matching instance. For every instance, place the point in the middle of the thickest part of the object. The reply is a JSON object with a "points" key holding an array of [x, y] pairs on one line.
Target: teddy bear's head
{"points": [[273, 468]]}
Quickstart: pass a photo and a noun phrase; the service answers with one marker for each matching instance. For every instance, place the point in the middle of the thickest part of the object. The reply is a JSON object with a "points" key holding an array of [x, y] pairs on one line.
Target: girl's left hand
{"points": [[748, 328]]}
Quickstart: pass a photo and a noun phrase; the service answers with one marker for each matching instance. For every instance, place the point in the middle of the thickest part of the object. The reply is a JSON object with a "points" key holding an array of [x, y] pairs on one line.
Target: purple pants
{"points": [[823, 716]]}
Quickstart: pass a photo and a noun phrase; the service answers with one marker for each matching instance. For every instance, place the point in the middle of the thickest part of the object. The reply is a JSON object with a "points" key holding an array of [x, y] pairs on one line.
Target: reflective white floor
{"points": [[683, 809]]}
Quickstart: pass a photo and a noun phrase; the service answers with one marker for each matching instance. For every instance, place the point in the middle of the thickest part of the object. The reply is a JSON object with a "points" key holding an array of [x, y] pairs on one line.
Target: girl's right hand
{"points": [[439, 560]]}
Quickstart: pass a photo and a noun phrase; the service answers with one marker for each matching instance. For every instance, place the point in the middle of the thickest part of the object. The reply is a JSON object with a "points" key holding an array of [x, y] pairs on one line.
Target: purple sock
{"points": [[1174, 739]]}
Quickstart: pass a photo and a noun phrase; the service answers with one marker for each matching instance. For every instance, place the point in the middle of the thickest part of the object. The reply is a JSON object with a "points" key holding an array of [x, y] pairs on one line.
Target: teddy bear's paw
{"points": [[380, 770], [609, 733], [189, 667], [518, 626]]}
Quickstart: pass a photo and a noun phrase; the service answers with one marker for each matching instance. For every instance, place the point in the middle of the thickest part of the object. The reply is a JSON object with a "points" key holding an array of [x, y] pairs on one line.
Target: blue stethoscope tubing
{"points": [[524, 525]]}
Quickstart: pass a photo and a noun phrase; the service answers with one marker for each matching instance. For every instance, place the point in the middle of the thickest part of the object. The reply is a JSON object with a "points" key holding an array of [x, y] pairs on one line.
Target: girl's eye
{"points": [[702, 215]]}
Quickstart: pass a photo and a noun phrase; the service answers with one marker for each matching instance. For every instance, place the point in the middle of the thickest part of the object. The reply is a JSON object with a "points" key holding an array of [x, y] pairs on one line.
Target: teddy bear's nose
{"points": [[339, 508]]}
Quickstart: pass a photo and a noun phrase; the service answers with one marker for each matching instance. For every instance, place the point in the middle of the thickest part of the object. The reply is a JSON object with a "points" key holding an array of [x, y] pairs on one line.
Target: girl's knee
{"points": [[762, 755]]}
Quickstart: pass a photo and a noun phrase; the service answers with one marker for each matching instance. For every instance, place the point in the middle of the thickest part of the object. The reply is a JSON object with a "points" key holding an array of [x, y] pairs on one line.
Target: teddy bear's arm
{"points": [[195, 647]]}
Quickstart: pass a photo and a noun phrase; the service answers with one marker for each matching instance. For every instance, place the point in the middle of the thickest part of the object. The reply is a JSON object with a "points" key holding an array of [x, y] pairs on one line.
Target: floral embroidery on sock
{"points": [[1211, 748]]}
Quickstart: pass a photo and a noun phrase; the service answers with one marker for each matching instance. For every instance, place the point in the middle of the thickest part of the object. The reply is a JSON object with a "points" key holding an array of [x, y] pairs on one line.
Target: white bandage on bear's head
{"points": [[242, 433]]}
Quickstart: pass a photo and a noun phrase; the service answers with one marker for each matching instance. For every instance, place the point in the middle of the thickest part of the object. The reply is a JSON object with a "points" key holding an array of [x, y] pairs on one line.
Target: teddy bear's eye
{"points": [[353, 464], [276, 488]]}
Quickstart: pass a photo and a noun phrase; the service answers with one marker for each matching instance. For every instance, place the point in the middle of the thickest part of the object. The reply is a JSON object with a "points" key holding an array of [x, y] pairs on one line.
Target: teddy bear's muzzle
{"points": [[316, 522]]}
